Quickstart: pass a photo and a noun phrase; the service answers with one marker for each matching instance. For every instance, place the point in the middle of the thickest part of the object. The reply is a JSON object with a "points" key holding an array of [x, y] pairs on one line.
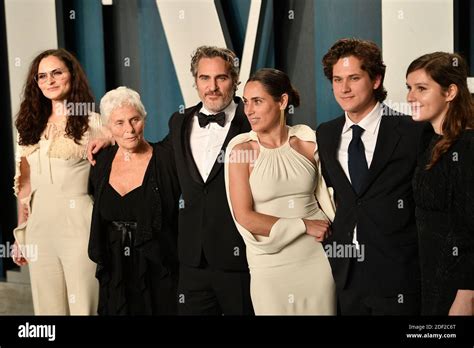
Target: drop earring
{"points": [[282, 118]]}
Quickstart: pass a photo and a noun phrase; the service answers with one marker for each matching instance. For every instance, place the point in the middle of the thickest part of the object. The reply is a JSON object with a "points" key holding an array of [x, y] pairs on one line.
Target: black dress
{"points": [[120, 215], [444, 197], [134, 238]]}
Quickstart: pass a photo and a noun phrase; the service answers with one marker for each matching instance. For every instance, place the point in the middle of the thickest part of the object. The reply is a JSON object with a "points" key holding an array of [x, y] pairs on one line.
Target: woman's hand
{"points": [[463, 303], [320, 229], [17, 256]]}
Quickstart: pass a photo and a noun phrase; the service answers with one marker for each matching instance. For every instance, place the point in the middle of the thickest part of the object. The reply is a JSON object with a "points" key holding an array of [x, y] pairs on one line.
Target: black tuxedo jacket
{"points": [[384, 211], [205, 222]]}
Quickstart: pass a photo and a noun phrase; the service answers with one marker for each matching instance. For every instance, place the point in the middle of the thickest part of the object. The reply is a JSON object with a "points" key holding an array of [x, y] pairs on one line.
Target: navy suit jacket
{"points": [[384, 211]]}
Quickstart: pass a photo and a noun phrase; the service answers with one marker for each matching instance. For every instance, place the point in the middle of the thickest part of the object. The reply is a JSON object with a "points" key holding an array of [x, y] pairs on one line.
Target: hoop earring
{"points": [[282, 118]]}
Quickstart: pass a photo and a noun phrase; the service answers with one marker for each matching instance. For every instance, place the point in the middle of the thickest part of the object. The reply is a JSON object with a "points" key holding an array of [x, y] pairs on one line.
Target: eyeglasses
{"points": [[56, 74]]}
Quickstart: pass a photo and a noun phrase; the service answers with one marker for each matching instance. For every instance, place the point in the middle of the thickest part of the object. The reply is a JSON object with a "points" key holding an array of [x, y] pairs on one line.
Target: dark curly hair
{"points": [[35, 108], [448, 69], [367, 52]]}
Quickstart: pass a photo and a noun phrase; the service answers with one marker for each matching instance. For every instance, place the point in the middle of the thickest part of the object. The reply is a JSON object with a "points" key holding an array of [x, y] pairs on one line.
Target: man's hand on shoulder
{"points": [[95, 145]]}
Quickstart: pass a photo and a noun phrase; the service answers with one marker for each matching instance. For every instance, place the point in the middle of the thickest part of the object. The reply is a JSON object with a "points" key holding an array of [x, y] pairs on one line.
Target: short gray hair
{"points": [[119, 97]]}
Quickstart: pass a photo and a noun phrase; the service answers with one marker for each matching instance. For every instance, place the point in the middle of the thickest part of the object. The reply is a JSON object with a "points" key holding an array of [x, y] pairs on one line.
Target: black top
{"points": [[444, 197], [145, 220], [114, 207], [124, 294]]}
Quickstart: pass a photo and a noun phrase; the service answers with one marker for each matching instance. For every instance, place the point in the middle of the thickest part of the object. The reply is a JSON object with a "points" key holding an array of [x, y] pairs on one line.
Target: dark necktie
{"points": [[204, 119], [358, 168]]}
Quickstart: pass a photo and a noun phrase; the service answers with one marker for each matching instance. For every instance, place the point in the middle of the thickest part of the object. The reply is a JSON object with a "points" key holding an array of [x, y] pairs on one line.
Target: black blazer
{"points": [[384, 211], [157, 226], [205, 222]]}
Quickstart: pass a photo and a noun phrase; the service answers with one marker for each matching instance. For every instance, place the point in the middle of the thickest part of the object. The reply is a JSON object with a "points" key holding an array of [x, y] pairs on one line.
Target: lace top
{"points": [[58, 144]]}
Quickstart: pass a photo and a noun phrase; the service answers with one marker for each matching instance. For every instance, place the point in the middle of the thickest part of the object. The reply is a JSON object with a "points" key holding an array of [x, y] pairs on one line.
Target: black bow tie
{"points": [[204, 119]]}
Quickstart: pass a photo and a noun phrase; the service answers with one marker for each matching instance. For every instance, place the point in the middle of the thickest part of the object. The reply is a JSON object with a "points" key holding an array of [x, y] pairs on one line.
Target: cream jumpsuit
{"points": [[56, 234]]}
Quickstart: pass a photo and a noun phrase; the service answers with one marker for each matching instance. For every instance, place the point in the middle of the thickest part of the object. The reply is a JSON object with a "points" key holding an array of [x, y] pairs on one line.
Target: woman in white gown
{"points": [[280, 203], [54, 126]]}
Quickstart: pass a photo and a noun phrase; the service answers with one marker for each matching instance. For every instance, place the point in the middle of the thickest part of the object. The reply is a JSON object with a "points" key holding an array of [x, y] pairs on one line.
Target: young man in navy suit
{"points": [[368, 156]]}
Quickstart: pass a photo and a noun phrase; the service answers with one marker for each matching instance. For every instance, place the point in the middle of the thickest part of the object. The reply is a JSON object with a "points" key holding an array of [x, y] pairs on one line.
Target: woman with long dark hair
{"points": [[444, 182], [54, 124]]}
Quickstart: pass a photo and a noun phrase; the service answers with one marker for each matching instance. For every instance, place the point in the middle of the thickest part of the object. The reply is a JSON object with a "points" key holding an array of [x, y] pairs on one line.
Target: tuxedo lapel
{"points": [[186, 144], [235, 129], [387, 140]]}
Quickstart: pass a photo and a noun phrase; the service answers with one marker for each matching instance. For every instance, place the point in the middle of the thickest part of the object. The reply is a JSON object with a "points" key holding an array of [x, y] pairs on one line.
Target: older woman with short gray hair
{"points": [[119, 97], [134, 220]]}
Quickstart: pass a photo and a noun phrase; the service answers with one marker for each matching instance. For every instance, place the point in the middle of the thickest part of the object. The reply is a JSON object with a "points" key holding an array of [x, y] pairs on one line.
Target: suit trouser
{"points": [[360, 298], [205, 291]]}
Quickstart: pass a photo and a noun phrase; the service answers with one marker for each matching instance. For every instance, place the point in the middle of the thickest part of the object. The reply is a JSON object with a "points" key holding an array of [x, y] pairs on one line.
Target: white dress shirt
{"points": [[206, 142], [371, 125]]}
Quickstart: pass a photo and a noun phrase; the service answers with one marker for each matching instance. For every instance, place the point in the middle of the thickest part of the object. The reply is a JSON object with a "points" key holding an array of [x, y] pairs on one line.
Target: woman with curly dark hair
{"points": [[54, 124], [443, 184]]}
